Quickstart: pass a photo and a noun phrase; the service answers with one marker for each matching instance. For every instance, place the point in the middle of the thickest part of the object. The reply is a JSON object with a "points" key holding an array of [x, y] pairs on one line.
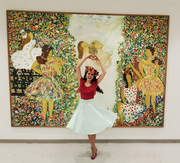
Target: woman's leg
{"points": [[51, 105], [147, 101], [44, 108], [119, 107], [92, 139], [153, 102]]}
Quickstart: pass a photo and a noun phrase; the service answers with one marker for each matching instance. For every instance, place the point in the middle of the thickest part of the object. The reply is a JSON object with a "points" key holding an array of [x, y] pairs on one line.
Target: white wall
{"points": [[171, 128]]}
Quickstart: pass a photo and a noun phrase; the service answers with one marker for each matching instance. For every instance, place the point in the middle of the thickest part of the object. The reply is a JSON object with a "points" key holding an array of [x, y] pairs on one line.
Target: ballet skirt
{"points": [[24, 58], [131, 109], [88, 118], [151, 84], [46, 87]]}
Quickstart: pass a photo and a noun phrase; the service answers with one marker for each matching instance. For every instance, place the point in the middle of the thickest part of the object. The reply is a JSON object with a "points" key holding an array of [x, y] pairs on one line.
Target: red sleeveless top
{"points": [[87, 92]]}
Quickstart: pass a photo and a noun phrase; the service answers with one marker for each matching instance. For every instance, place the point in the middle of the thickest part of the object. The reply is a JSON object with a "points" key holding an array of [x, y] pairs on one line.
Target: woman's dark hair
{"points": [[98, 89], [151, 49], [45, 51], [124, 77], [156, 58]]}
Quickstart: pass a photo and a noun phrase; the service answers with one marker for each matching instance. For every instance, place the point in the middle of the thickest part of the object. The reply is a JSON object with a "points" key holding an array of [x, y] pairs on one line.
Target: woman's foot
{"points": [[122, 124], [94, 153], [53, 117], [146, 113], [154, 113], [42, 116]]}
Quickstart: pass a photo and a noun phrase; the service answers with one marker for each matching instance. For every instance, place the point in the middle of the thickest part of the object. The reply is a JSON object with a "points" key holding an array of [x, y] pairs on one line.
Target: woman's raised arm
{"points": [[137, 73], [78, 70], [103, 70]]}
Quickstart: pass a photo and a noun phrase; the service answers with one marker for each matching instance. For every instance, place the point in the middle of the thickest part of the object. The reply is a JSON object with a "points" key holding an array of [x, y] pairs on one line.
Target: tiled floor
{"points": [[80, 153]]}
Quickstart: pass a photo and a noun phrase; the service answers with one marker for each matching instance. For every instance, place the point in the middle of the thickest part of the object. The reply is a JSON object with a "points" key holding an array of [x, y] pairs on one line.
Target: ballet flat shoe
{"points": [[93, 157]]}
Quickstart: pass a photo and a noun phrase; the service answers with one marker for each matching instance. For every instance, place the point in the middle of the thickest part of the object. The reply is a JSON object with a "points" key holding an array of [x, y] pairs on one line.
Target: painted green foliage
{"points": [[140, 32], [51, 29]]}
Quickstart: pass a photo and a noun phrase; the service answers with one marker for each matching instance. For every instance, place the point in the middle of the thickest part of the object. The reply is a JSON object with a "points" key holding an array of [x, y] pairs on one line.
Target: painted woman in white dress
{"points": [[25, 57], [128, 111]]}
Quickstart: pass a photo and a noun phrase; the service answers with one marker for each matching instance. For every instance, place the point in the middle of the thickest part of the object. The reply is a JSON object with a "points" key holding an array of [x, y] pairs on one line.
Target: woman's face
{"points": [[50, 53], [24, 34], [148, 53], [30, 35], [89, 75]]}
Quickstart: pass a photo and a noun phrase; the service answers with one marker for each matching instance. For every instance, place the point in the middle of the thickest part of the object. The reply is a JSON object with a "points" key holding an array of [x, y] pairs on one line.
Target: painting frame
{"points": [[13, 46]]}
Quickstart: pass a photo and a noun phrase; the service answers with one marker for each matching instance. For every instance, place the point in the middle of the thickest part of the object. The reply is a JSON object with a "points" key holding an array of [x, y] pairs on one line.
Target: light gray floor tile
{"points": [[80, 153]]}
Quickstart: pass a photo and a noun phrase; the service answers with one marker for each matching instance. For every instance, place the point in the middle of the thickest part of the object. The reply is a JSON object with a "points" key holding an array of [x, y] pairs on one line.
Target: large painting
{"points": [[45, 47]]}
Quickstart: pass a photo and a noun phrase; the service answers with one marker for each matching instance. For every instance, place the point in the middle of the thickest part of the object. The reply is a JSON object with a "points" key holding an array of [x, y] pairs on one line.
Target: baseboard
{"points": [[86, 141]]}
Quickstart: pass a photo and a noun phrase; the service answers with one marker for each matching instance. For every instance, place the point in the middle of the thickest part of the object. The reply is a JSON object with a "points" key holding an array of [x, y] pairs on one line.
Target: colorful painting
{"points": [[45, 47]]}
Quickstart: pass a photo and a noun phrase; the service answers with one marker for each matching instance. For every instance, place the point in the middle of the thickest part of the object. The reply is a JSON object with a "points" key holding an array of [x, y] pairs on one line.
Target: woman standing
{"points": [[46, 88], [150, 83], [88, 118]]}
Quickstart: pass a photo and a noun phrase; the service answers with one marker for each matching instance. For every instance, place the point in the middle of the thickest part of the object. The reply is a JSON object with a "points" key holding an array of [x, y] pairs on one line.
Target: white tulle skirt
{"points": [[89, 119]]}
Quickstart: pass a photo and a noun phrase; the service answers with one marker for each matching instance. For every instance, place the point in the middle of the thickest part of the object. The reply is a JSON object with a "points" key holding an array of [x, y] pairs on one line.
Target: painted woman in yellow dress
{"points": [[150, 85], [46, 88]]}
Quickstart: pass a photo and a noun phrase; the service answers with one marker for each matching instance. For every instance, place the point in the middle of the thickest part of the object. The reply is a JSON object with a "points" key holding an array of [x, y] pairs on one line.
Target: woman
{"points": [[46, 88], [150, 84], [25, 57], [131, 109], [88, 118], [27, 36]]}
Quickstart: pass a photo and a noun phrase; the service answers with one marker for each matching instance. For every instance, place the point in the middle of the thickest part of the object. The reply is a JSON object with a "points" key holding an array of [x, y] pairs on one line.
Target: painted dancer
{"points": [[150, 83], [46, 88]]}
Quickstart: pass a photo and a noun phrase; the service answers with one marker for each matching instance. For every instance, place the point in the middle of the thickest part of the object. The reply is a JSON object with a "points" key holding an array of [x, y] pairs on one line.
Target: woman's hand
{"points": [[95, 57], [91, 56], [78, 71]]}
